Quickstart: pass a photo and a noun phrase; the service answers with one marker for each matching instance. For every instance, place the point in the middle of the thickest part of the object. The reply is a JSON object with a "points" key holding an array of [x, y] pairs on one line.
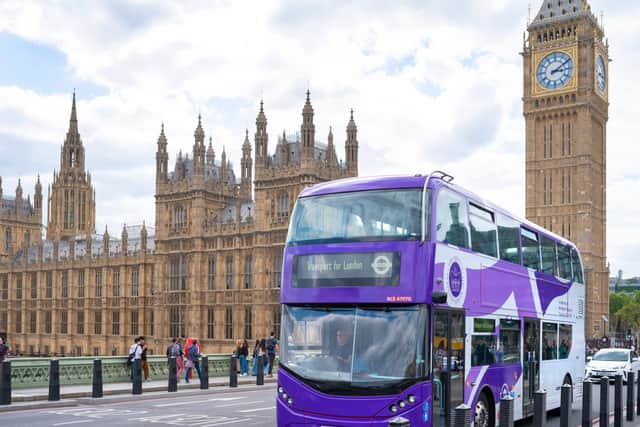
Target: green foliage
{"points": [[624, 309]]}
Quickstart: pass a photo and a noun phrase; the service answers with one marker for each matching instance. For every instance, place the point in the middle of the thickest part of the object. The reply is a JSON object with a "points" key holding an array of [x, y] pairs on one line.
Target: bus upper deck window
{"points": [[451, 221], [530, 249], [509, 239]]}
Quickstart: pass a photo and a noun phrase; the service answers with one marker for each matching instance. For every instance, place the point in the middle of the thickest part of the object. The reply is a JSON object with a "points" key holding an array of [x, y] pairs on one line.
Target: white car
{"points": [[610, 362]]}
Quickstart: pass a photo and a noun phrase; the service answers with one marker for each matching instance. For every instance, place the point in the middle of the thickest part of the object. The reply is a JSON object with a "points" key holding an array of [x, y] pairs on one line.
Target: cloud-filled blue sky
{"points": [[434, 85]]}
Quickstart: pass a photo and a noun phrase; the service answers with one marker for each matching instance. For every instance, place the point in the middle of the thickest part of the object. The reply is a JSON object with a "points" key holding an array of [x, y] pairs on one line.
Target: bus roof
{"points": [[415, 181]]}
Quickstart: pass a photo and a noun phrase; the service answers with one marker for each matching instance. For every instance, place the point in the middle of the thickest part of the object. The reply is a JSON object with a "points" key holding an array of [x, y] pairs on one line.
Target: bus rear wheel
{"points": [[483, 415]]}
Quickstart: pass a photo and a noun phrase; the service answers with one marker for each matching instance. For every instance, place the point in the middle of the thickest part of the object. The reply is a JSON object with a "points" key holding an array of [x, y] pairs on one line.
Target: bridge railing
{"points": [[30, 372]]}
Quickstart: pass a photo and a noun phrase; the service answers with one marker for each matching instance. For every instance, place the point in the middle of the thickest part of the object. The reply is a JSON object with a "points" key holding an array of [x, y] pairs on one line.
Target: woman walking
{"points": [[180, 359], [244, 353], [254, 369]]}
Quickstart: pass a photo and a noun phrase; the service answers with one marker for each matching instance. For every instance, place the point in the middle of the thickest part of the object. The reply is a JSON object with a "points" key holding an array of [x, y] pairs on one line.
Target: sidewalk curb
{"points": [[122, 395]]}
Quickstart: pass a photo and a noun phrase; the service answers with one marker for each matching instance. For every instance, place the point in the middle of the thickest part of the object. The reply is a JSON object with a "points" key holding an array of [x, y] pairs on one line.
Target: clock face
{"points": [[601, 74], [555, 70]]}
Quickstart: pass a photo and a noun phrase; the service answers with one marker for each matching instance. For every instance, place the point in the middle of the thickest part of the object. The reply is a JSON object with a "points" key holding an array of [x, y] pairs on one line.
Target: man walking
{"points": [[272, 344], [143, 355], [193, 359]]}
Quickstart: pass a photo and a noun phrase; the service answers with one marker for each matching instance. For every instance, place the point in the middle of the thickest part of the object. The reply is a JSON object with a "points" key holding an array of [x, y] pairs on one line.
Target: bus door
{"points": [[448, 364], [530, 364]]}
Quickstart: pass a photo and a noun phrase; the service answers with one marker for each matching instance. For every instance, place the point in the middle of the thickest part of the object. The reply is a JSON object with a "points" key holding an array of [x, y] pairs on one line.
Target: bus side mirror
{"points": [[439, 297]]}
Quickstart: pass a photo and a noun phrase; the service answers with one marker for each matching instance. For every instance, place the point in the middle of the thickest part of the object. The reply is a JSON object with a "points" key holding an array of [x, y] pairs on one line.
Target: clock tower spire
{"points": [[565, 106]]}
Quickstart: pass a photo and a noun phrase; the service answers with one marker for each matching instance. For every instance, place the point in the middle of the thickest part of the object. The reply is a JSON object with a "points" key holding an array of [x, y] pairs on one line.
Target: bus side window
{"points": [[530, 249], [483, 231], [509, 239], [548, 250], [549, 341], [564, 261], [451, 225], [576, 266], [565, 342]]}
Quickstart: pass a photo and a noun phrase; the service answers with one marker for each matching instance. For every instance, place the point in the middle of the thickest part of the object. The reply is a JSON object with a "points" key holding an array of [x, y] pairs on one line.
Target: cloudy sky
{"points": [[434, 85]]}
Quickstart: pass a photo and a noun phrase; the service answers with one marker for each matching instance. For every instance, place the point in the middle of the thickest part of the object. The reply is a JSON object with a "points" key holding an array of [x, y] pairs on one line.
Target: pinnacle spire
{"points": [[199, 133], [73, 120]]}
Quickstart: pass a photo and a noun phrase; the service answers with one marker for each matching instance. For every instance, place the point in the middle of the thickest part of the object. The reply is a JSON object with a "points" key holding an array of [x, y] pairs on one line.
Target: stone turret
{"points": [[125, 239], [351, 146], [162, 157], [308, 134]]}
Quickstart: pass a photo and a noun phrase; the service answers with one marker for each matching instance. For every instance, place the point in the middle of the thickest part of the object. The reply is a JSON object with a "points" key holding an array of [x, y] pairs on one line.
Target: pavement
{"points": [[74, 395], [247, 405]]}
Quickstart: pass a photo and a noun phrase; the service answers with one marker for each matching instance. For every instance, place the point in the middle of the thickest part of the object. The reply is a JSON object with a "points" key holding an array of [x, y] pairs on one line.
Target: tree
{"points": [[629, 314]]}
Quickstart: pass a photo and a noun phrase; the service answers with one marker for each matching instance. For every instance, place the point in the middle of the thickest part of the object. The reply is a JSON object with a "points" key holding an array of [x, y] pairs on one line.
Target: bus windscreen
{"points": [[357, 217]]}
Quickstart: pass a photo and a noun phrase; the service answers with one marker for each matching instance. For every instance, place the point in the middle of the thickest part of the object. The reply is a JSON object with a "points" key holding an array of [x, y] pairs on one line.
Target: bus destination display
{"points": [[346, 269]]}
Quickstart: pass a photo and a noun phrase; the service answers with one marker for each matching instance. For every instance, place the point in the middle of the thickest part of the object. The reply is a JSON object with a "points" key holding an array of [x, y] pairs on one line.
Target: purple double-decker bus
{"points": [[405, 297]]}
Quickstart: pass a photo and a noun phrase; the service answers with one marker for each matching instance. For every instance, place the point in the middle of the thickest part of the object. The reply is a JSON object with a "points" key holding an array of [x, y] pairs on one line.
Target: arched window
{"points": [[179, 217], [7, 239]]}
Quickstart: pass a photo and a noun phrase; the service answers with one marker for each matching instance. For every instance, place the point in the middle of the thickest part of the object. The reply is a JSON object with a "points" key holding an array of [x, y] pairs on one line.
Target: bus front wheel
{"points": [[483, 415]]}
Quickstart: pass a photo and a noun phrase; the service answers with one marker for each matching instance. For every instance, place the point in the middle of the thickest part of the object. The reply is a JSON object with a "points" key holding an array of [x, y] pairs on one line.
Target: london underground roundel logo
{"points": [[381, 265], [455, 282], [455, 279]]}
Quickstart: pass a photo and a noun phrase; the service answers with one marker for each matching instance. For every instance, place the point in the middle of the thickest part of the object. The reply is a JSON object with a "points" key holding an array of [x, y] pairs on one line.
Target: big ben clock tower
{"points": [[565, 104]]}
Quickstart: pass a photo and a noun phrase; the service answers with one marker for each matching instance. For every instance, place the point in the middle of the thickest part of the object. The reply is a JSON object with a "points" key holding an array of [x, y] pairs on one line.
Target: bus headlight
{"points": [[402, 404], [393, 409], [280, 390], [284, 396], [411, 398], [289, 401]]}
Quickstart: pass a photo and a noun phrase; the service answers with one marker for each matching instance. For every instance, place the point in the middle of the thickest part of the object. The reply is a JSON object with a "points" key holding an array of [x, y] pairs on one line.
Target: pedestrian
{"points": [[180, 359], [4, 350], [272, 348], [254, 369], [143, 357], [135, 352], [193, 359], [173, 350], [236, 351], [244, 354], [262, 354]]}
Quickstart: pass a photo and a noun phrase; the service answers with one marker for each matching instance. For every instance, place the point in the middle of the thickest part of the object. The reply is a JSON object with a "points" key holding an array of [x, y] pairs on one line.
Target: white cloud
{"points": [[434, 85]]}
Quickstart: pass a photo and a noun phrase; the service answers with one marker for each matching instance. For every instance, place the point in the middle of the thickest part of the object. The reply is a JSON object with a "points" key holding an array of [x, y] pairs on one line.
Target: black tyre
{"points": [[484, 414]]}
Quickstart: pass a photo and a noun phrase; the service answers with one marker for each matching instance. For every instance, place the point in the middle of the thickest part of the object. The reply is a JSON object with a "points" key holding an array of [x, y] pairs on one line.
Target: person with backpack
{"points": [[135, 352], [193, 359], [174, 350], [272, 348]]}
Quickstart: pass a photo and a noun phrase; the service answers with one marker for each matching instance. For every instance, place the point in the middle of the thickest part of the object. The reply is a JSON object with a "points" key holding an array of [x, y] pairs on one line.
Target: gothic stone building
{"points": [[210, 268], [566, 107]]}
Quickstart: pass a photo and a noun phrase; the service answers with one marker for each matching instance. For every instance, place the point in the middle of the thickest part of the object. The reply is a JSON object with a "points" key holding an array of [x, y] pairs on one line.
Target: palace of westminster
{"points": [[212, 267]]}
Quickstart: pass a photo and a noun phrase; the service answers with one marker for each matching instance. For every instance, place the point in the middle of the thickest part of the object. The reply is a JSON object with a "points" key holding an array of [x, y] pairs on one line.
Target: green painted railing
{"points": [[28, 372]]}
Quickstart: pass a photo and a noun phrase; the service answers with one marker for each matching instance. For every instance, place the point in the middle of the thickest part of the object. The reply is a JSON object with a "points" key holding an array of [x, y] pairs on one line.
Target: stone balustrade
{"points": [[29, 372]]}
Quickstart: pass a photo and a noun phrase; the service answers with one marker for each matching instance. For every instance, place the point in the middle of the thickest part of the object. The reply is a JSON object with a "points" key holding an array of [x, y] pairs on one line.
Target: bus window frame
{"points": [[464, 201], [537, 239], [473, 205], [503, 218]]}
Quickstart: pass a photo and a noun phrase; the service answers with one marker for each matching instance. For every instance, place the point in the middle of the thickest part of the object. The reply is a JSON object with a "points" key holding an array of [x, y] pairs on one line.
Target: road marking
{"points": [[73, 422], [229, 422], [239, 404], [217, 399], [257, 409]]}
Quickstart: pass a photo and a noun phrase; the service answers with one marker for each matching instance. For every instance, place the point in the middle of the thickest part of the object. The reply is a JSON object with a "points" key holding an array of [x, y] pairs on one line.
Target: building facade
{"points": [[20, 220], [209, 268], [565, 104]]}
